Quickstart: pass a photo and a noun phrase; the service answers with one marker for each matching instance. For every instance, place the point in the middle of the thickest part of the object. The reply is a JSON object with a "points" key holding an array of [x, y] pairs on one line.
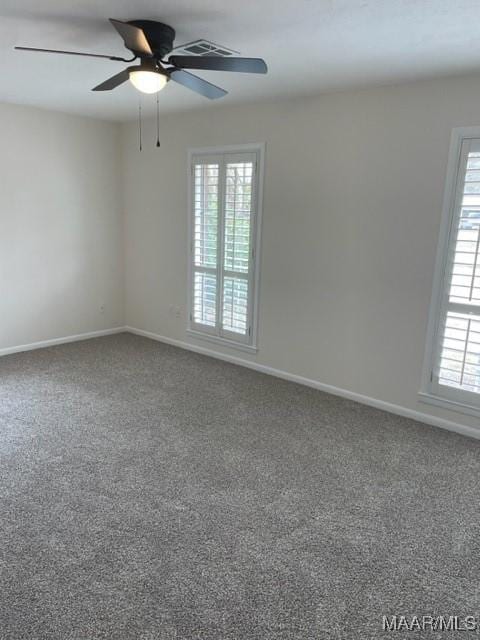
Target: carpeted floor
{"points": [[151, 493]]}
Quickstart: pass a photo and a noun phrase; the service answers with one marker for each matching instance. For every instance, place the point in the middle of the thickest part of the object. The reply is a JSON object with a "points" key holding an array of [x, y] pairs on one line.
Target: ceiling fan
{"points": [[150, 42]]}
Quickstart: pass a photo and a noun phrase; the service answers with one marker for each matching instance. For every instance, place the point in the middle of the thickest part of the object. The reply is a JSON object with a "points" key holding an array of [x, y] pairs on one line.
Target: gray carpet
{"points": [[151, 493]]}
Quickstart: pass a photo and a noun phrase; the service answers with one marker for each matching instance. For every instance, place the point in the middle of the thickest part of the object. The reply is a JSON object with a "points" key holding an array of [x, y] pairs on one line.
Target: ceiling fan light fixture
{"points": [[151, 41], [147, 81]]}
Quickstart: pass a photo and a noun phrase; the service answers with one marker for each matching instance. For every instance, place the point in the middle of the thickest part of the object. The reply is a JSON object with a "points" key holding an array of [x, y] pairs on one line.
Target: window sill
{"points": [[223, 342], [447, 403]]}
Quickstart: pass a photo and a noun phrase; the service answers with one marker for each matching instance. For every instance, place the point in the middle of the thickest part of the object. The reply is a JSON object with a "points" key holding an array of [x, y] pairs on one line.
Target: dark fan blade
{"points": [[74, 53], [197, 84], [113, 82], [133, 37], [217, 63]]}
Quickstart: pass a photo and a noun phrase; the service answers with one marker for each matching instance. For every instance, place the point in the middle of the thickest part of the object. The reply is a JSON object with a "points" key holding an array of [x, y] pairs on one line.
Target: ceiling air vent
{"points": [[203, 48]]}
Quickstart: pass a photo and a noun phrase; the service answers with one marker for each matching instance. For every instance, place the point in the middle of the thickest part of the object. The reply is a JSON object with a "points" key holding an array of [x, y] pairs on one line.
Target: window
{"points": [[453, 355], [225, 236]]}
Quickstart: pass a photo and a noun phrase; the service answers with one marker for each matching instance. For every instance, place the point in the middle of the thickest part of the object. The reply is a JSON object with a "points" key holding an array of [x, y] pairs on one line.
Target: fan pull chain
{"points": [[140, 123], [158, 123]]}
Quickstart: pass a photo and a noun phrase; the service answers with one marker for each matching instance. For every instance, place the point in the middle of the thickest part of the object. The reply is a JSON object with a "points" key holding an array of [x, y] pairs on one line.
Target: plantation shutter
{"points": [[456, 371], [224, 233], [205, 242], [237, 246]]}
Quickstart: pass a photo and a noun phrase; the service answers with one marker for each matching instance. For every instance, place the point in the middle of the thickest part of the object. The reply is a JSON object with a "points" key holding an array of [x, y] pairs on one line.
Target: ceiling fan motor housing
{"points": [[160, 36]]}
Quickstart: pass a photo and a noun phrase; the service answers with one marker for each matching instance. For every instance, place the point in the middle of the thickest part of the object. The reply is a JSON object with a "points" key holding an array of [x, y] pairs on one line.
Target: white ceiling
{"points": [[310, 46]]}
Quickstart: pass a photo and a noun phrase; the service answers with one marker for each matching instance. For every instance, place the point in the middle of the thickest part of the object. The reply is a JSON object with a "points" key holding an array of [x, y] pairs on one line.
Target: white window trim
{"points": [[428, 390], [259, 149]]}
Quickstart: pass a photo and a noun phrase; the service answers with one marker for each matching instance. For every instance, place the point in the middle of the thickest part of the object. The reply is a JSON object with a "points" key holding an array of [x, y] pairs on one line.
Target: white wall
{"points": [[61, 253], [353, 197]]}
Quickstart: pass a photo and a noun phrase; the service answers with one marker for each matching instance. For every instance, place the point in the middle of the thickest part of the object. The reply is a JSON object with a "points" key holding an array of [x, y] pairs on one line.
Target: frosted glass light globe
{"points": [[148, 81]]}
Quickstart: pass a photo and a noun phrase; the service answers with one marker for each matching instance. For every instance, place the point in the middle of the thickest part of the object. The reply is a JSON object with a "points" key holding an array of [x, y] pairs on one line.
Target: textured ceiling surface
{"points": [[311, 46]]}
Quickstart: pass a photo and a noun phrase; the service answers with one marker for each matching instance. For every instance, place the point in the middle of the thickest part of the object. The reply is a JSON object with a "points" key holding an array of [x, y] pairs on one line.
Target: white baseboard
{"points": [[336, 391], [64, 340], [278, 373]]}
